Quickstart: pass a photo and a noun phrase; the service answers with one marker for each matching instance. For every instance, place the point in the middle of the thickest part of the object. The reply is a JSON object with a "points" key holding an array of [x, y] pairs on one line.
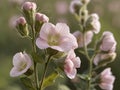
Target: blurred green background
{"points": [[57, 11]]}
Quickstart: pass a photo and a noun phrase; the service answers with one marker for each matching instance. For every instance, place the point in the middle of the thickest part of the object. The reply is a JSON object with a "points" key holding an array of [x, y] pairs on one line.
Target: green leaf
{"points": [[28, 83], [50, 79]]}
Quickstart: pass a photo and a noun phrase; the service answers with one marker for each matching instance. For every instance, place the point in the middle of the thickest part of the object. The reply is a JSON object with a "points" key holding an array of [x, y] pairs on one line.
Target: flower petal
{"points": [[41, 43]]}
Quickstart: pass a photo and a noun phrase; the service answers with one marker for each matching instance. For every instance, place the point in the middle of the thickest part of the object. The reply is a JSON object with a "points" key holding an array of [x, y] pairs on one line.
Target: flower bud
{"points": [[93, 23], [39, 20], [106, 79], [75, 6], [108, 42], [29, 9], [103, 59], [21, 26], [80, 38]]}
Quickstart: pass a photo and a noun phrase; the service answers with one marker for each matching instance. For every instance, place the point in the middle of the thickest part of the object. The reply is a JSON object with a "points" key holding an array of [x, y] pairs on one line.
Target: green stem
{"points": [[44, 73], [35, 64]]}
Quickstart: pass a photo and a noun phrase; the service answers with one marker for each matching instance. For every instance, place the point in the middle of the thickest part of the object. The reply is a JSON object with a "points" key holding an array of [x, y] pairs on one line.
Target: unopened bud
{"points": [[39, 20], [75, 6], [108, 42], [21, 26], [29, 6], [29, 10], [93, 23], [103, 59]]}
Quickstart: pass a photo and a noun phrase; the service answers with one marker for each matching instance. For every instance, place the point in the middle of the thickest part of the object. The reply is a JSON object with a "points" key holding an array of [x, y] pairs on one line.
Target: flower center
{"points": [[53, 40]]}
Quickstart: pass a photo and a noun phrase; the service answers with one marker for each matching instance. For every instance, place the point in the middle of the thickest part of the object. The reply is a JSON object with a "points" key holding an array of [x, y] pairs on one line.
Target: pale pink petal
{"points": [[18, 59], [106, 86], [76, 62], [41, 43], [71, 54], [108, 79], [68, 42], [68, 67], [107, 71], [72, 74], [46, 30], [62, 28], [97, 59]]}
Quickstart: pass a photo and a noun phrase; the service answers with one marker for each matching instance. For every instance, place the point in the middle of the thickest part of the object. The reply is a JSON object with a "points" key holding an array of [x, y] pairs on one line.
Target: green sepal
{"points": [[28, 83]]}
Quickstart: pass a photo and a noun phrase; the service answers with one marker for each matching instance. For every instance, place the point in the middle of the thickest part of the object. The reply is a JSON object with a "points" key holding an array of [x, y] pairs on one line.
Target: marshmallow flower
{"points": [[21, 62], [108, 42], [107, 79], [56, 37], [80, 38], [71, 63]]}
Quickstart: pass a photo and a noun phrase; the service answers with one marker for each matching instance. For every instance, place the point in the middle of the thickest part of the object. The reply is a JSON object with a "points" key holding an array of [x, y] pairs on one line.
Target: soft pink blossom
{"points": [[106, 79], [56, 37], [80, 38], [41, 17], [29, 6], [71, 63], [108, 42], [21, 63]]}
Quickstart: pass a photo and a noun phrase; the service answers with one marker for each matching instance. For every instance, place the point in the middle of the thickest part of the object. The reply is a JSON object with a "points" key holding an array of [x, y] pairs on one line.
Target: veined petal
{"points": [[72, 74], [41, 43], [106, 86], [62, 28], [76, 62], [46, 30]]}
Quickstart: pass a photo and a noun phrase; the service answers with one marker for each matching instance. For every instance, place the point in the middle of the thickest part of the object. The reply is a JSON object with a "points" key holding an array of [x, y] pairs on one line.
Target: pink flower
{"points": [[41, 17], [21, 63], [71, 63], [80, 38], [107, 79], [56, 37], [29, 6], [108, 42]]}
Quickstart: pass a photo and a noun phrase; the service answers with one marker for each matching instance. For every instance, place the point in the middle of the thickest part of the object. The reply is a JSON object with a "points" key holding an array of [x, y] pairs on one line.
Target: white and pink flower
{"points": [[21, 63], [106, 79], [71, 63], [108, 42], [56, 37]]}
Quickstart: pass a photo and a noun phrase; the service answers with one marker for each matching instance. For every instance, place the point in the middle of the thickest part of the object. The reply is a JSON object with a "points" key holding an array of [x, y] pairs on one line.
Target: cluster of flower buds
{"points": [[31, 17], [107, 47]]}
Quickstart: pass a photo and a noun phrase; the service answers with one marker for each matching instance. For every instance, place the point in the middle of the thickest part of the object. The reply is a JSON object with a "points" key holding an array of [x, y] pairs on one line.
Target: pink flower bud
{"points": [[108, 42], [71, 63], [106, 79], [20, 20], [29, 6], [41, 17]]}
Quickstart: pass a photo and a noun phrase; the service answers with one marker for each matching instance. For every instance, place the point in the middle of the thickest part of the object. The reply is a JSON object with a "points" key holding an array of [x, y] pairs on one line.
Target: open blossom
{"points": [[106, 79], [80, 38], [101, 57], [29, 6], [41, 17], [94, 23], [56, 37], [108, 42], [21, 63], [75, 6], [71, 63]]}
